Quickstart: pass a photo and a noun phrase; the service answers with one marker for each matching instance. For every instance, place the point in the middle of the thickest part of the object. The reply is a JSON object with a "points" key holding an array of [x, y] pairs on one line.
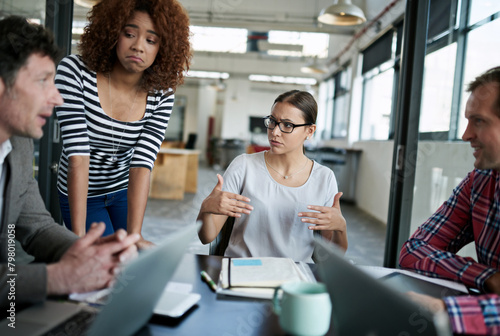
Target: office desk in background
{"points": [[215, 314], [175, 172]]}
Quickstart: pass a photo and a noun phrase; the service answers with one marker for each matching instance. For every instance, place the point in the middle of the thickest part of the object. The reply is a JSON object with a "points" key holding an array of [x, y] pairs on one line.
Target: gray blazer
{"points": [[35, 229]]}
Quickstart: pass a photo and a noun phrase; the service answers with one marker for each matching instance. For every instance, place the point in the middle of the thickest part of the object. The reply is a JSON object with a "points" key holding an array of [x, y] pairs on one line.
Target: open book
{"points": [[258, 277]]}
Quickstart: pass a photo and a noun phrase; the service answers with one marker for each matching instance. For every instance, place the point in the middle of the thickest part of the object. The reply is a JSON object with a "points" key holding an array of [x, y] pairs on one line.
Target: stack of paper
{"points": [[258, 277]]}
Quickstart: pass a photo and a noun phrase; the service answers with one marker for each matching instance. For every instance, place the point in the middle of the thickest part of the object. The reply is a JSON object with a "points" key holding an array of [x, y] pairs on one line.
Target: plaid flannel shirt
{"points": [[472, 213]]}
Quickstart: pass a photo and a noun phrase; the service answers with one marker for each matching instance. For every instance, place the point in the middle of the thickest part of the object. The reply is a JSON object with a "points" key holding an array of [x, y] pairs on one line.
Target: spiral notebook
{"points": [[258, 277]]}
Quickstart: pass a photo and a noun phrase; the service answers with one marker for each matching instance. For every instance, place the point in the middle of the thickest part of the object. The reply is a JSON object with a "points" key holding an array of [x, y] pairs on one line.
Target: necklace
{"points": [[115, 150], [286, 177]]}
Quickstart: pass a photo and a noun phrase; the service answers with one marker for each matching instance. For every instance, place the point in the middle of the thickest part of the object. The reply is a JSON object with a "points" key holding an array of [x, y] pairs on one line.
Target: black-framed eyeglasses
{"points": [[285, 126]]}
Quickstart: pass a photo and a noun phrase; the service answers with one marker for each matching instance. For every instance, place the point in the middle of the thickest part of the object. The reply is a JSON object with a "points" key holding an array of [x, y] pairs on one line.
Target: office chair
{"points": [[191, 141], [219, 245]]}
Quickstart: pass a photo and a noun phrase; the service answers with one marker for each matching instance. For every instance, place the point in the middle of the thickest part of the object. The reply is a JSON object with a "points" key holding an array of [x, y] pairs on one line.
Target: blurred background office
{"points": [[390, 88]]}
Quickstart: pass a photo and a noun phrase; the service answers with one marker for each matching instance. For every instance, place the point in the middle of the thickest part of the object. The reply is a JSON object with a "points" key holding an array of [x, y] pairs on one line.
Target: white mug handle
{"points": [[276, 301]]}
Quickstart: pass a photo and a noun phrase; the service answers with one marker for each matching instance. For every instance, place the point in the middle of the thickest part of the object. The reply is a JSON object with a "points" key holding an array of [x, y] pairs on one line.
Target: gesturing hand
{"points": [[326, 218], [225, 203], [329, 221], [91, 262]]}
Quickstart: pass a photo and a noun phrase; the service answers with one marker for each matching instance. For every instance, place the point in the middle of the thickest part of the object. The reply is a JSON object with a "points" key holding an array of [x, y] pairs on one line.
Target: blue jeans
{"points": [[110, 209]]}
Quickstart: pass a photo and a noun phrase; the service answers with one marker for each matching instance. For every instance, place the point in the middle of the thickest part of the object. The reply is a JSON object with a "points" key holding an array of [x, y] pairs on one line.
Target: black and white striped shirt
{"points": [[88, 131]]}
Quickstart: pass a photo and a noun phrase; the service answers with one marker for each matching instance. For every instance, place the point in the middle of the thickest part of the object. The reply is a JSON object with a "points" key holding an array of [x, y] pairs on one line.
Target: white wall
{"points": [[244, 99], [206, 108], [236, 109], [191, 111], [440, 167], [231, 108], [374, 177], [200, 105]]}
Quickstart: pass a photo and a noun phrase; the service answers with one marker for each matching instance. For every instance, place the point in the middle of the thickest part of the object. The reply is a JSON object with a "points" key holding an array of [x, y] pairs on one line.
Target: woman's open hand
{"points": [[329, 220], [225, 203]]}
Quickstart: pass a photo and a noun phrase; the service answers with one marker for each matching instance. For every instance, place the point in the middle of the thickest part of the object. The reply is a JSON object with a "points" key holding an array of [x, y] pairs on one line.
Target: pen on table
{"points": [[208, 280]]}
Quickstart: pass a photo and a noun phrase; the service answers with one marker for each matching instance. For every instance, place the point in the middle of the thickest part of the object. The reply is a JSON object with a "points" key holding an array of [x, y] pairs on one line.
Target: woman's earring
{"points": [[307, 138]]}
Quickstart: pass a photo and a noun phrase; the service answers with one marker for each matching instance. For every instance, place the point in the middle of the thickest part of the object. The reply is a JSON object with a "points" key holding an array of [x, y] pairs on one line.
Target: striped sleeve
{"points": [[153, 133], [474, 315], [71, 115]]}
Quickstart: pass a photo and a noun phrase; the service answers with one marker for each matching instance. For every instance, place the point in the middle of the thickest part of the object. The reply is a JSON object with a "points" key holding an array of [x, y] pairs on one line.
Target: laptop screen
{"points": [[362, 305], [405, 283]]}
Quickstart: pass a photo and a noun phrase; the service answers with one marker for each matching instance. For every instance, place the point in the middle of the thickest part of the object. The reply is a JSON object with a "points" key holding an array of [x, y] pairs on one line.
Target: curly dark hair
{"points": [[107, 19], [20, 39]]}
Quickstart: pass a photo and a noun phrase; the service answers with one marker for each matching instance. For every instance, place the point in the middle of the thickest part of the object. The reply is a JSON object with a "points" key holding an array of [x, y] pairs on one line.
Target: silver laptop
{"points": [[129, 305], [362, 305], [405, 283]]}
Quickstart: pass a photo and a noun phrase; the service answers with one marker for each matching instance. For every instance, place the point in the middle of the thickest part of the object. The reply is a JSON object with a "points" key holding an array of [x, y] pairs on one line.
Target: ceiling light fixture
{"points": [[282, 79], [207, 74], [87, 3], [343, 13], [314, 68]]}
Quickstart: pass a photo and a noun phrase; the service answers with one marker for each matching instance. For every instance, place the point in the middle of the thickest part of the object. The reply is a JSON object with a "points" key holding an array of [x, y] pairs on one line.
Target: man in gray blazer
{"points": [[63, 263]]}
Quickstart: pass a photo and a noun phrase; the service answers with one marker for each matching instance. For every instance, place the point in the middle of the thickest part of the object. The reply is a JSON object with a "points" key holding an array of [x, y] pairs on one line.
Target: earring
{"points": [[307, 138]]}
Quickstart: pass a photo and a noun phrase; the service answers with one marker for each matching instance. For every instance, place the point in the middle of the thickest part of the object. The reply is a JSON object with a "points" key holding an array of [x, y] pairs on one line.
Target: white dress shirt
{"points": [[5, 149]]}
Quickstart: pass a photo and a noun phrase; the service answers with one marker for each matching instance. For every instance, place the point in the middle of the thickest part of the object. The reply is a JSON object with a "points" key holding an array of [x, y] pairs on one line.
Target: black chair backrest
{"points": [[191, 141], [219, 245]]}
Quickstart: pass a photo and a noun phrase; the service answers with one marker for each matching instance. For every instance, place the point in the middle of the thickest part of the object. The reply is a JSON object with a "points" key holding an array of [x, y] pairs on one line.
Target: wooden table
{"points": [[175, 172]]}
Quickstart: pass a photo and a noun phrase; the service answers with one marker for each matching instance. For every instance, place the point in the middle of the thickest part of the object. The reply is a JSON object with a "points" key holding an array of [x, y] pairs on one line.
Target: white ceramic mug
{"points": [[304, 308]]}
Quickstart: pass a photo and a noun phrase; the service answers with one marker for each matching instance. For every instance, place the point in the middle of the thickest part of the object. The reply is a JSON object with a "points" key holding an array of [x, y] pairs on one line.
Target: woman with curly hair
{"points": [[118, 97]]}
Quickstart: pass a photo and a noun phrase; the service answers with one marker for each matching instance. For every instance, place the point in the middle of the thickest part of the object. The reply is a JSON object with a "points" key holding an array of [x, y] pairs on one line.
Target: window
{"points": [[442, 18], [325, 109], [377, 105], [339, 127], [341, 103], [232, 40], [313, 44], [378, 82], [378, 52], [455, 57], [481, 9], [282, 79], [437, 90]]}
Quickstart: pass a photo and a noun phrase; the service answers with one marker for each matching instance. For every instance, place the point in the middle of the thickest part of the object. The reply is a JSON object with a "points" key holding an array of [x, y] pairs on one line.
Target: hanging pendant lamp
{"points": [[87, 3], [342, 13]]}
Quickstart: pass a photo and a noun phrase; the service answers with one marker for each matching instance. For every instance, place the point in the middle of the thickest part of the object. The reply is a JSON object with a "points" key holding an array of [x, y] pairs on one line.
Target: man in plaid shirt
{"points": [[472, 213]]}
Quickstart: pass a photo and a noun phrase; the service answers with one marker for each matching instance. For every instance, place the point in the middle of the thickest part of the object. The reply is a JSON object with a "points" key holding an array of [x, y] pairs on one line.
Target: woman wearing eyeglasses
{"points": [[280, 197]]}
